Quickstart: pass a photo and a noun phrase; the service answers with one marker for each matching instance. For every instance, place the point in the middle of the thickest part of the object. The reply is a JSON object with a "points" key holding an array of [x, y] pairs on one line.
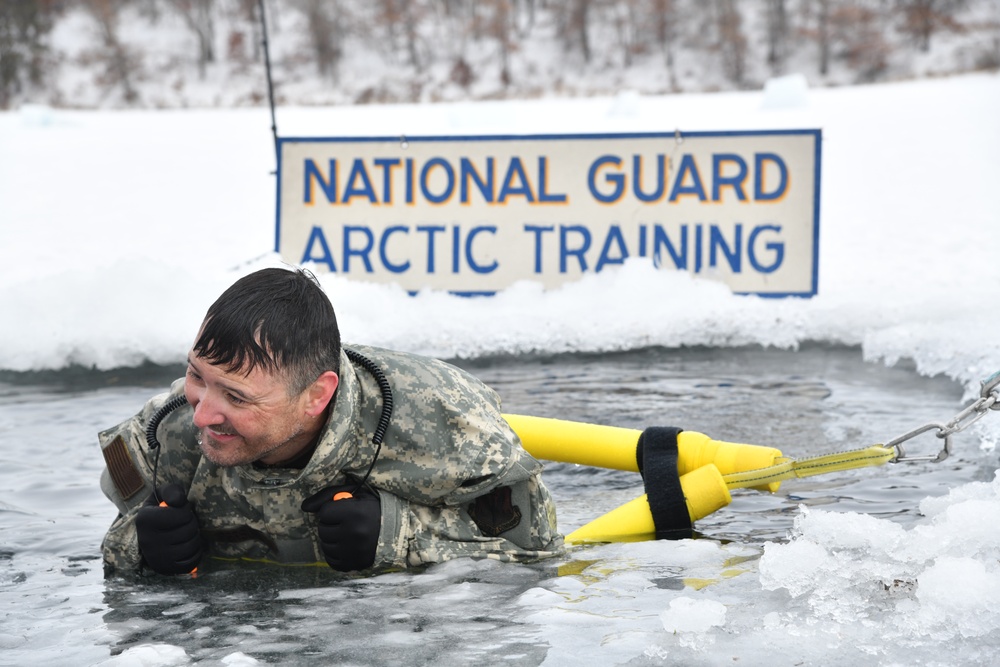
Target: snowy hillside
{"points": [[208, 53]]}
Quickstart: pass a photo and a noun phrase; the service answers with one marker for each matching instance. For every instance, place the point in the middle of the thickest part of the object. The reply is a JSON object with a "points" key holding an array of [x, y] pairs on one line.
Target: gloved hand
{"points": [[348, 528], [169, 539]]}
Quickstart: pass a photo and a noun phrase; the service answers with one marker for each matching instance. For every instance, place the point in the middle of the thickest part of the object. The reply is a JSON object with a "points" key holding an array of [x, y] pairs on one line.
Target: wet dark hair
{"points": [[279, 320]]}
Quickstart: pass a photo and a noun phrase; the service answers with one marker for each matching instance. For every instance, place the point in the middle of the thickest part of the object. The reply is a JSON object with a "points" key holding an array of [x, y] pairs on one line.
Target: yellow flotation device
{"points": [[701, 464], [705, 468], [615, 447]]}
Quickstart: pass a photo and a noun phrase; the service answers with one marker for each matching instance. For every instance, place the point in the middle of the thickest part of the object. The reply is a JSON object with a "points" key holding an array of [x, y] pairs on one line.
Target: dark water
{"points": [[57, 609]]}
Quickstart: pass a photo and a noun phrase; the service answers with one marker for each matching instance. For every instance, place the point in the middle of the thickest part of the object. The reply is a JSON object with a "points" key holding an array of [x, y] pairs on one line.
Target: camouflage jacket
{"points": [[452, 477]]}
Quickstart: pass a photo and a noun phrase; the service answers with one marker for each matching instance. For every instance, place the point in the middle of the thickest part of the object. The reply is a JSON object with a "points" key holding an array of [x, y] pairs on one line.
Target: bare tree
{"points": [[119, 62], [150, 10], [324, 23], [776, 19], [500, 26], [529, 7], [732, 43], [199, 18], [451, 7], [858, 29], [626, 17], [922, 18], [24, 28], [402, 19], [573, 18], [246, 20], [823, 33], [815, 25], [665, 21]]}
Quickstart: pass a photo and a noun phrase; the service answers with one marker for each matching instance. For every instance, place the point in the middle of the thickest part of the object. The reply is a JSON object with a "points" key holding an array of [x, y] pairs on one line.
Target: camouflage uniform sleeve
{"points": [[127, 477], [120, 547], [513, 523], [395, 532]]}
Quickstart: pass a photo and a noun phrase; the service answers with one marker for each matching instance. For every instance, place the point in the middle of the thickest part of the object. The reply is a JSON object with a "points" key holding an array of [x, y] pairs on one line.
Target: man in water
{"points": [[292, 449]]}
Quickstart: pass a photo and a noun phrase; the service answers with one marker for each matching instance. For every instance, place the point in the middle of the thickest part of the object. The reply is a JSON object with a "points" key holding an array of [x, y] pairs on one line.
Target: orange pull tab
{"points": [[194, 572], [342, 495]]}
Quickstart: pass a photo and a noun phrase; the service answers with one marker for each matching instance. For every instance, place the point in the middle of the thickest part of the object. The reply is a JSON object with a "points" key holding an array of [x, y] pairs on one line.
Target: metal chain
{"points": [[989, 399]]}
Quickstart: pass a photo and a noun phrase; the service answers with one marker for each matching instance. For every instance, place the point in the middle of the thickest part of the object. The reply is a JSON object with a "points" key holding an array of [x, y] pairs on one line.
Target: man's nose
{"points": [[206, 410]]}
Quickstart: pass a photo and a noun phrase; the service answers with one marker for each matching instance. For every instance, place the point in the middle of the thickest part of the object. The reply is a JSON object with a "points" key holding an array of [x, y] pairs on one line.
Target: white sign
{"points": [[475, 214]]}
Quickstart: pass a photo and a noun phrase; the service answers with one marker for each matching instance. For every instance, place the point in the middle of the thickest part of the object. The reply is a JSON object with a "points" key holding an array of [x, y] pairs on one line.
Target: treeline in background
{"points": [[179, 53]]}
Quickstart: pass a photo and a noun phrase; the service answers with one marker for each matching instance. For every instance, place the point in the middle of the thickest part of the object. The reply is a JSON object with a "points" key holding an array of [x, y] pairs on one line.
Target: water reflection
{"points": [[300, 615]]}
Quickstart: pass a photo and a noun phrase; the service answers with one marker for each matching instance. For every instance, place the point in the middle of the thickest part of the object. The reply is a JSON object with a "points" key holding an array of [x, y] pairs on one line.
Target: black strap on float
{"points": [[656, 455]]}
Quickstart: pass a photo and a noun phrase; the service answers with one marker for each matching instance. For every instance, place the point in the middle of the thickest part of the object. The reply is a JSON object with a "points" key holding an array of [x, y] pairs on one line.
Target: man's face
{"points": [[246, 418]]}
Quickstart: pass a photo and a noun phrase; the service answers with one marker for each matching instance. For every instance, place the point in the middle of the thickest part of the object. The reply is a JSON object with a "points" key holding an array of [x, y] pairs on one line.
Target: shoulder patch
{"points": [[494, 513], [124, 474]]}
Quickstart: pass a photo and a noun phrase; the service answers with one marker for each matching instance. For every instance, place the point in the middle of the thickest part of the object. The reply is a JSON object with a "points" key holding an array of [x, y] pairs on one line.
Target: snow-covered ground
{"points": [[119, 228]]}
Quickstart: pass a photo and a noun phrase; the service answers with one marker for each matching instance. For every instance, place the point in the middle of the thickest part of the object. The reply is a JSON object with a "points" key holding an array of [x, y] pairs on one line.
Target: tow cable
{"points": [[891, 452]]}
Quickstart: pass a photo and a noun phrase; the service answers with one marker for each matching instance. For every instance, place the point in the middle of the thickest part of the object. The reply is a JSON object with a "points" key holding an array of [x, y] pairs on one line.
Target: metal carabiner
{"points": [[988, 389], [942, 432]]}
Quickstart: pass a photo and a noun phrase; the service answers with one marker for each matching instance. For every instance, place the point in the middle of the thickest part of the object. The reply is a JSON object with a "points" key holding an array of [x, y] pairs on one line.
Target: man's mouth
{"points": [[220, 435]]}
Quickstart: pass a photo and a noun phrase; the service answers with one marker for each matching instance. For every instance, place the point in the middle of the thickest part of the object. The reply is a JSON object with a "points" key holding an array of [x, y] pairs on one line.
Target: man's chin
{"points": [[220, 453]]}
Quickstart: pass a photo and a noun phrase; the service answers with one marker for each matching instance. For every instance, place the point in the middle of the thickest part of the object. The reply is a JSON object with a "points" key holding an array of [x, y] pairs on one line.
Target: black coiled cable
{"points": [[383, 422], [154, 422], [151, 441]]}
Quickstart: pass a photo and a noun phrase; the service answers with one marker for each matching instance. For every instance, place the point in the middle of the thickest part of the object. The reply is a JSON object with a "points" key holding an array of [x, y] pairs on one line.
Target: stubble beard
{"points": [[240, 452]]}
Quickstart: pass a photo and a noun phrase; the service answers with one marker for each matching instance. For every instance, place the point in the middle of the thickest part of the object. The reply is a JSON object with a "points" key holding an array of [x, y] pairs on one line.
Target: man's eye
{"points": [[236, 400], [194, 376]]}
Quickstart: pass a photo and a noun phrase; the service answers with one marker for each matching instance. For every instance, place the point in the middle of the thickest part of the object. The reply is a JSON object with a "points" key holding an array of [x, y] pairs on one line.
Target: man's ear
{"points": [[320, 393]]}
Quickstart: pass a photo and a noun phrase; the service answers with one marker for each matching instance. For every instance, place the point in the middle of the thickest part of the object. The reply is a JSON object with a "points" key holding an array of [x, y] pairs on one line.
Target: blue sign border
{"points": [[677, 134]]}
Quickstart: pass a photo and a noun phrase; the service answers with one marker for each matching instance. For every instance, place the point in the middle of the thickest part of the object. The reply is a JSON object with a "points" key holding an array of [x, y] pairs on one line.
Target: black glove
{"points": [[169, 539], [348, 528]]}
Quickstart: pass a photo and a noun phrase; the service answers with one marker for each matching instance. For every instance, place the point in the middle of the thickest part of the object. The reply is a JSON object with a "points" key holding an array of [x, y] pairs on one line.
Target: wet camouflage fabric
{"points": [[447, 445]]}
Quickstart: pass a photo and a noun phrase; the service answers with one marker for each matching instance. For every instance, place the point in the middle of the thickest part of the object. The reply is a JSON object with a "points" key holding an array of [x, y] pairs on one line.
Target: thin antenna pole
{"points": [[270, 85]]}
